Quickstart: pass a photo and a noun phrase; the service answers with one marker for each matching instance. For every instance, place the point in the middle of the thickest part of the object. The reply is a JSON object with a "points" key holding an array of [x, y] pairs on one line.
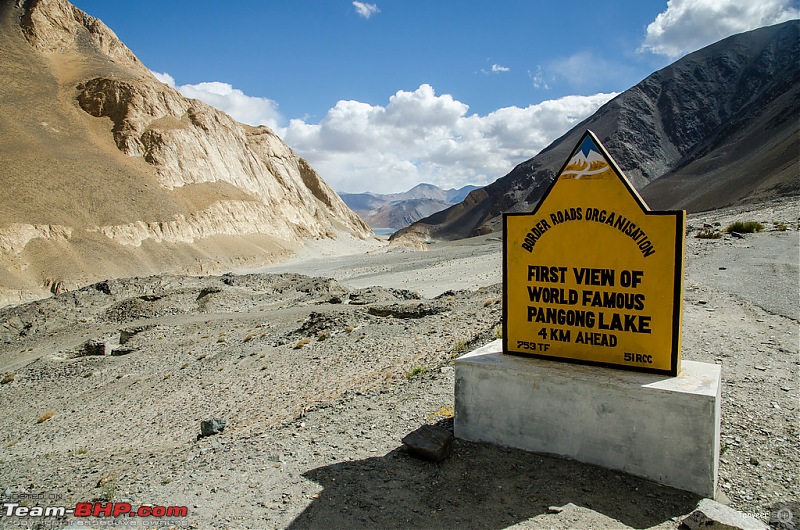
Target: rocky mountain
{"points": [[108, 173], [718, 127], [398, 210]]}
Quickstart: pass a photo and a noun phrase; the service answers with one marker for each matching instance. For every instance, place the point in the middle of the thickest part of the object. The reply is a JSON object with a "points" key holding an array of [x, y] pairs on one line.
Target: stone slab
{"points": [[711, 515], [665, 429]]}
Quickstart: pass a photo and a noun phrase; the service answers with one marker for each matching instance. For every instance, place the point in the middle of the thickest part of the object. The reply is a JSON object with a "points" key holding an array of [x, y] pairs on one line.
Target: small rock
{"points": [[711, 515], [104, 287], [754, 460], [211, 427], [430, 442], [116, 352], [96, 347]]}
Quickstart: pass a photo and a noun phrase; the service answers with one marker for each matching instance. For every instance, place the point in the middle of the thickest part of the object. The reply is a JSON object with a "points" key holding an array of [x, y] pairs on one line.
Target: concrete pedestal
{"points": [[662, 428]]}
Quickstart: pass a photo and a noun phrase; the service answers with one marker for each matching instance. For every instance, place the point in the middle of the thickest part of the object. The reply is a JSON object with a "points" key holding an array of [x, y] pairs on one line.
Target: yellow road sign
{"points": [[592, 275]]}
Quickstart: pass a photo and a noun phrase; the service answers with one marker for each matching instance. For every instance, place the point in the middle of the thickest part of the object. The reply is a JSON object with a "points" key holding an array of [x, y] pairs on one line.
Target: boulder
{"points": [[430, 442], [211, 427]]}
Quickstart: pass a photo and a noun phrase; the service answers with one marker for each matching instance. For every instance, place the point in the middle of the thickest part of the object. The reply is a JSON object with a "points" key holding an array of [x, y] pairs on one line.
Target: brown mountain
{"points": [[718, 127], [107, 172]]}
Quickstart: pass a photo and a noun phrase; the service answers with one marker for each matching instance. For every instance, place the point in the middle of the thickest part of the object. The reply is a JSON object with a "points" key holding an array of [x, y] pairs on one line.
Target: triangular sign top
{"points": [[590, 149], [592, 275]]}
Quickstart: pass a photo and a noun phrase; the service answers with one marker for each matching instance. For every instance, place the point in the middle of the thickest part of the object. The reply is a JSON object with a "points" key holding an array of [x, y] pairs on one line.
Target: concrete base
{"points": [[662, 428]]}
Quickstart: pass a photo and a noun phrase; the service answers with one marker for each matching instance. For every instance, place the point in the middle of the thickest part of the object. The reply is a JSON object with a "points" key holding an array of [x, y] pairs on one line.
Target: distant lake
{"points": [[384, 231]]}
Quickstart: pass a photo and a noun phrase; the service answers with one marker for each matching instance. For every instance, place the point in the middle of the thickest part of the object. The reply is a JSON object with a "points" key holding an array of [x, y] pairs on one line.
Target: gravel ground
{"points": [[320, 375]]}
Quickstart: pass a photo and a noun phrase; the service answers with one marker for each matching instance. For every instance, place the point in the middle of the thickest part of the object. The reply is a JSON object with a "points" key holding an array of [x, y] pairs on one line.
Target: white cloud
{"points": [[584, 71], [495, 69], [241, 107], [164, 78], [688, 25], [537, 78], [423, 137], [418, 136], [366, 10]]}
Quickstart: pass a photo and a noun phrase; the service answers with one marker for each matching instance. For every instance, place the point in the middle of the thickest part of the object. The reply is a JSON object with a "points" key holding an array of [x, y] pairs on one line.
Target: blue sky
{"points": [[380, 96]]}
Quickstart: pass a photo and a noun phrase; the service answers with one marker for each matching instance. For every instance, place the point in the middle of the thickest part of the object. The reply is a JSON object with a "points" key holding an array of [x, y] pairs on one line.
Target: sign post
{"points": [[592, 275]]}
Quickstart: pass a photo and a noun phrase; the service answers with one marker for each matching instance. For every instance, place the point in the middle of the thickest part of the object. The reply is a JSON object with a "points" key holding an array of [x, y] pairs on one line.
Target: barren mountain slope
{"points": [[108, 173], [718, 127]]}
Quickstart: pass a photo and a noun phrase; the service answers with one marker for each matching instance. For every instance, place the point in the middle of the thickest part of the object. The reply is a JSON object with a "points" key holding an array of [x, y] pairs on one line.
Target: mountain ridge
{"points": [[398, 210], [681, 137]]}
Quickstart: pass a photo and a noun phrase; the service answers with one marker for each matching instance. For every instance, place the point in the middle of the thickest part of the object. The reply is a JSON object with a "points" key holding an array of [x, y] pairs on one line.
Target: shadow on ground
{"points": [[479, 486]]}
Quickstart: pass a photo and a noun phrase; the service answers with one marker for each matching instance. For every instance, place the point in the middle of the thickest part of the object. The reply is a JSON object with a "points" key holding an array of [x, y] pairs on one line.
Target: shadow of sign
{"points": [[479, 486]]}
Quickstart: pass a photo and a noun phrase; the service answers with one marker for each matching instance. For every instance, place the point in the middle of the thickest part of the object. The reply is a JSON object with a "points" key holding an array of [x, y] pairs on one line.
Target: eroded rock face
{"points": [[203, 181], [131, 107], [52, 25], [16, 236], [189, 142]]}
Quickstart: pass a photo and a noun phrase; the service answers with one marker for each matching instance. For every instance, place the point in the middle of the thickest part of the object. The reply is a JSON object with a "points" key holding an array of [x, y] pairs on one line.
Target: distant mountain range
{"points": [[718, 127], [397, 210]]}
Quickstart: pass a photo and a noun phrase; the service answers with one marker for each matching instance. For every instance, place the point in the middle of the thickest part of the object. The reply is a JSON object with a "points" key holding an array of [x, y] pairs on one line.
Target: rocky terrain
{"points": [[115, 174], [713, 129], [318, 374]]}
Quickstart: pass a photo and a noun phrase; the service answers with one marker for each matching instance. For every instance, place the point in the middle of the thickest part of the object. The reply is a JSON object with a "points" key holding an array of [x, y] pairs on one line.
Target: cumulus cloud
{"points": [[241, 107], [419, 136], [424, 137], [165, 78], [366, 10], [688, 25]]}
